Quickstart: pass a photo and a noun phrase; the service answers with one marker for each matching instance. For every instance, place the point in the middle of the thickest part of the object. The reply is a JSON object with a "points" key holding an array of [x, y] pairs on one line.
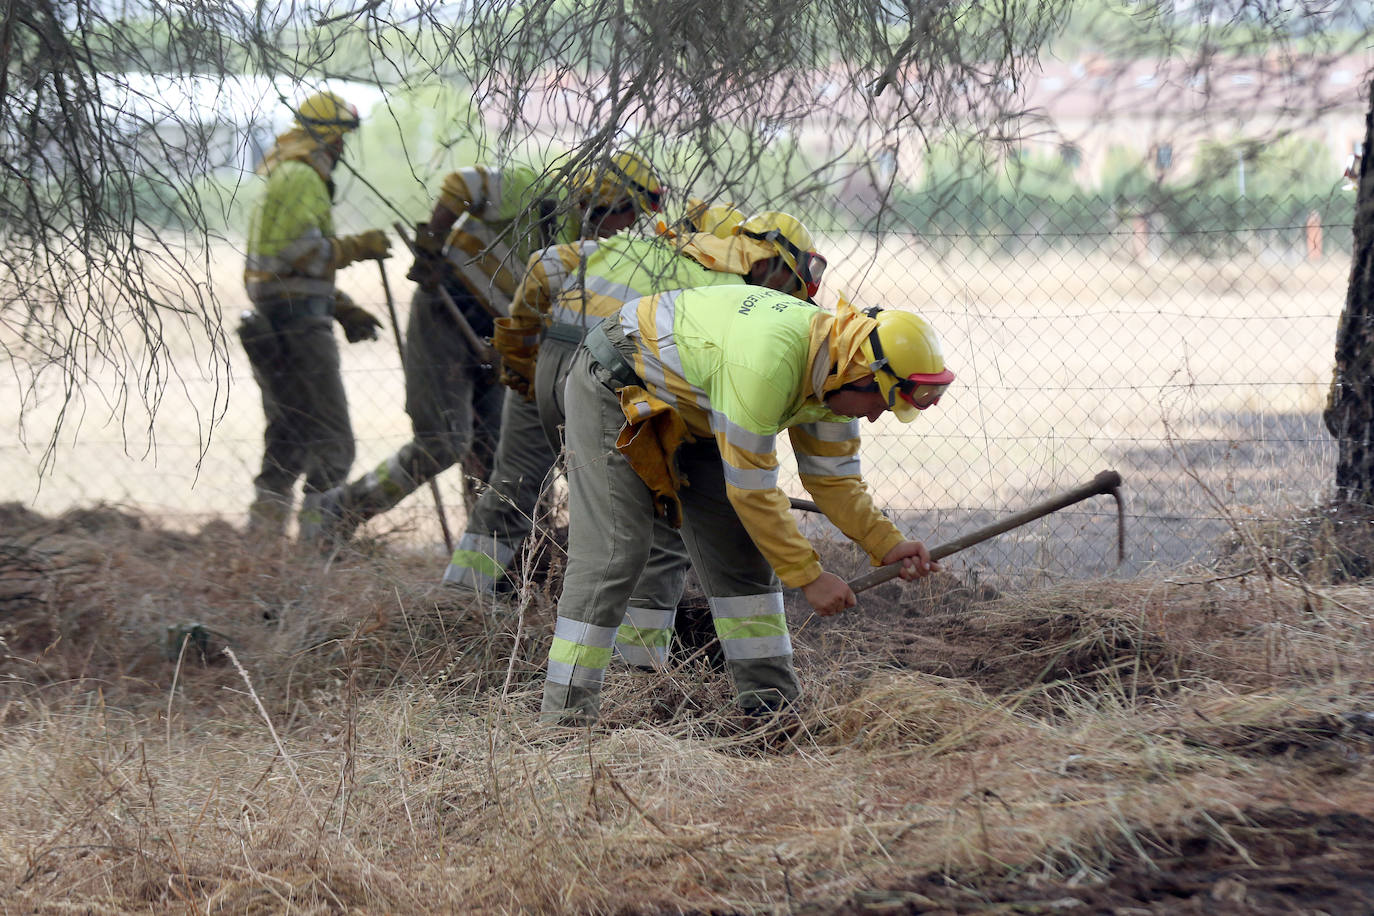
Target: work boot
{"points": [[565, 705], [267, 515], [311, 519], [332, 524]]}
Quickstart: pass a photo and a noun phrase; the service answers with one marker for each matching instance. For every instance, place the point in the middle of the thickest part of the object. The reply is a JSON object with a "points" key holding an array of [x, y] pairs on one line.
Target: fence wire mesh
{"points": [[1192, 355]]}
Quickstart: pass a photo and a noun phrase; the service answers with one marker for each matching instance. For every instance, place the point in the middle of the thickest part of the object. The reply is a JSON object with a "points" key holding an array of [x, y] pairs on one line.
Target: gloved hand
{"points": [[518, 345], [357, 322], [370, 245], [430, 269]]}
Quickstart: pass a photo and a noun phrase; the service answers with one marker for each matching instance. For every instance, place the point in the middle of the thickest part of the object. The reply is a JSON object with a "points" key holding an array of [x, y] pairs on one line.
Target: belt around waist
{"points": [[568, 333], [611, 359]]}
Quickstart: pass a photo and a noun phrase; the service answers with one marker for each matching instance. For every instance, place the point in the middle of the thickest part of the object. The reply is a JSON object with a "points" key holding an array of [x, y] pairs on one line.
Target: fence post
{"points": [[1140, 237], [1314, 236]]}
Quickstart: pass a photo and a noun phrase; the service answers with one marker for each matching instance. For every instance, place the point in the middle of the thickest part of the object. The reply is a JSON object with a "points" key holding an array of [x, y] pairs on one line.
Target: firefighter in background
{"points": [[288, 335], [571, 288], [481, 232], [697, 384]]}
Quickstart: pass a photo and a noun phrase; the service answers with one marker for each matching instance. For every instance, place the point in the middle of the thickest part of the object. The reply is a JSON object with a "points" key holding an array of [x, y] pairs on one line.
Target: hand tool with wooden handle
{"points": [[1106, 482]]}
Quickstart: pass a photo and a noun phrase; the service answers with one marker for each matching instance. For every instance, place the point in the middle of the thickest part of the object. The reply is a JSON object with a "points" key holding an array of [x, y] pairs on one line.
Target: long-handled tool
{"points": [[1105, 483], [401, 352], [479, 346]]}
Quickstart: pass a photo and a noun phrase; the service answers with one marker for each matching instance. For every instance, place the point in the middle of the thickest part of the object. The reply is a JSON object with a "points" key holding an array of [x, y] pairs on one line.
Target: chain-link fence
{"points": [[1191, 355]]}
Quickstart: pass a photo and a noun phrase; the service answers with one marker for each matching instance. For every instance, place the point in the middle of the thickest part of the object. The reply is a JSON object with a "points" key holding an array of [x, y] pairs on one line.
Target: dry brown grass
{"points": [[377, 750]]}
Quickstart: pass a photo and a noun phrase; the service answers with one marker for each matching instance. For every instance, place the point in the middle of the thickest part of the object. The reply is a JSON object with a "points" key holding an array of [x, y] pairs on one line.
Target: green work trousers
{"points": [[612, 535], [454, 406], [295, 360], [504, 515]]}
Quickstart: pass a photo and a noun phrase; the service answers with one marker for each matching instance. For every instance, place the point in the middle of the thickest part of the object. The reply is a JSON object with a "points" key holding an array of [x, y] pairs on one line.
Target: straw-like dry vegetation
{"points": [[197, 723]]}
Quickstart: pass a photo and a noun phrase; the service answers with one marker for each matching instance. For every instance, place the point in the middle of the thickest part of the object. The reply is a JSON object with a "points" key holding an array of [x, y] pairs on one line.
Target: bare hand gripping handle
{"points": [[1106, 482]]}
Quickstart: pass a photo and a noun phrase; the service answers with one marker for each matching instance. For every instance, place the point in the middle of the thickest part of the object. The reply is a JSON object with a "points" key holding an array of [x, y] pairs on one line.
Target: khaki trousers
{"points": [[613, 532]]}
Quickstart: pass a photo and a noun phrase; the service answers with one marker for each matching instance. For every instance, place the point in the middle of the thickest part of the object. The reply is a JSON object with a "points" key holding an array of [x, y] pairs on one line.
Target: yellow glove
{"points": [[518, 345], [357, 322], [370, 245]]}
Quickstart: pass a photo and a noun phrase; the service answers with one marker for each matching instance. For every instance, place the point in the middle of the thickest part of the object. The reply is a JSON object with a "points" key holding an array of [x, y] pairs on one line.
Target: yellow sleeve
{"points": [[541, 283], [466, 191], [828, 460]]}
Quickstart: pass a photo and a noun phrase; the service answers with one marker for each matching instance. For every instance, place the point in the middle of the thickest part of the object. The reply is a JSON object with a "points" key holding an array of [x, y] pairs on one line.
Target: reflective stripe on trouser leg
{"points": [[310, 518], [383, 486], [758, 649], [478, 562], [523, 461], [611, 519], [643, 639], [580, 653], [576, 670], [745, 595]]}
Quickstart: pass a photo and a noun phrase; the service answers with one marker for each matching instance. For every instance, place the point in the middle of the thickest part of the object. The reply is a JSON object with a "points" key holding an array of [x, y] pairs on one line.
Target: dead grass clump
{"points": [[1134, 640], [1328, 545], [906, 711]]}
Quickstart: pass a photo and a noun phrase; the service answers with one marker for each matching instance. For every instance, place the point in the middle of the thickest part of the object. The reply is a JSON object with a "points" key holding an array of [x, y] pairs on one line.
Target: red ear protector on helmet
{"points": [[919, 389]]}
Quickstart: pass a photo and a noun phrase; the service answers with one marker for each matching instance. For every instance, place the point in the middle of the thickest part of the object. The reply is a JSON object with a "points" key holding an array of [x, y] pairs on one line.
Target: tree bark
{"points": [[1349, 413]]}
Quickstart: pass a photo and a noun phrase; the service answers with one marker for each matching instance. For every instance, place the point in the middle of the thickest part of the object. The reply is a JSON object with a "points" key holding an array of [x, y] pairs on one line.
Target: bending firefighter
{"points": [[492, 221], [289, 337], [569, 289], [695, 385]]}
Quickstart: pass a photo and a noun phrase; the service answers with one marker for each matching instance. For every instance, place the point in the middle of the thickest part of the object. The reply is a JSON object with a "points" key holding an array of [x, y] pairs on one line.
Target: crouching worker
{"points": [[673, 407]]}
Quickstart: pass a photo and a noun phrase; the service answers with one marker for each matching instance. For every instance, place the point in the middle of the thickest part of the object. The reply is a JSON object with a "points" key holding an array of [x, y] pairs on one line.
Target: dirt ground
{"points": [[1199, 744]]}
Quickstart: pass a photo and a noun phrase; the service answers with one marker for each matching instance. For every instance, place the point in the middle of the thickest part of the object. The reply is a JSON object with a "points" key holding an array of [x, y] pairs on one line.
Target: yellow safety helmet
{"points": [[904, 356], [718, 219], [793, 243], [621, 177], [326, 116]]}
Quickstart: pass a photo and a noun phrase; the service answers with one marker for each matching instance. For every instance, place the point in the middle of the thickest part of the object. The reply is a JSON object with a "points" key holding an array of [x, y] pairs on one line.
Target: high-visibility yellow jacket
{"points": [[575, 286], [291, 250], [741, 364], [503, 218]]}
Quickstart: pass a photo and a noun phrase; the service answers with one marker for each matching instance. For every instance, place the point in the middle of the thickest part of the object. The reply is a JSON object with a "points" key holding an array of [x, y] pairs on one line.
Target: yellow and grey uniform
{"points": [[738, 365], [289, 336], [455, 407], [567, 289]]}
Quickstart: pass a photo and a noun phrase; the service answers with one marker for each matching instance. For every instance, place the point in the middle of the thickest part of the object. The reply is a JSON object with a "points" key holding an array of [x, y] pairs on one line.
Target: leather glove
{"points": [[370, 245], [430, 268], [517, 343], [357, 322]]}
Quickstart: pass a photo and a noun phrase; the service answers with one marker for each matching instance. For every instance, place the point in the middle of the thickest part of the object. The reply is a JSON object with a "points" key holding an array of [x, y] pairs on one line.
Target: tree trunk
{"points": [[1349, 413]]}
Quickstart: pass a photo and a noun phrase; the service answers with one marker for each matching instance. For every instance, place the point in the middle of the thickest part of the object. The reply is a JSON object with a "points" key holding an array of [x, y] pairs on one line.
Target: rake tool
{"points": [[401, 351], [1104, 484]]}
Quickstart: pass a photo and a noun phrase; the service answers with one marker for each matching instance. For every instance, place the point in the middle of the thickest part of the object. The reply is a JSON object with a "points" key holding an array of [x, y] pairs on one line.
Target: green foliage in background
{"points": [[974, 198]]}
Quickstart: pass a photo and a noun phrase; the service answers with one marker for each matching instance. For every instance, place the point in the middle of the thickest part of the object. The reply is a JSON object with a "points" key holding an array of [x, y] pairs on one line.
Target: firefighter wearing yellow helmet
{"points": [[481, 233], [567, 290], [709, 378], [795, 249], [292, 257]]}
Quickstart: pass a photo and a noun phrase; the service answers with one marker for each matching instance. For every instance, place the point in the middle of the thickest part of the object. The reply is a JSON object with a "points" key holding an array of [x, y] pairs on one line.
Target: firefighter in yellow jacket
{"points": [[570, 288], [697, 384], [288, 335], [478, 238]]}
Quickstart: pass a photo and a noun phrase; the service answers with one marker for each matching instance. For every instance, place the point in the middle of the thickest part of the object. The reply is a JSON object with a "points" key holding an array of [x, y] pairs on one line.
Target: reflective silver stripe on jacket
{"points": [[740, 437], [828, 465], [480, 283], [831, 431], [750, 478]]}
